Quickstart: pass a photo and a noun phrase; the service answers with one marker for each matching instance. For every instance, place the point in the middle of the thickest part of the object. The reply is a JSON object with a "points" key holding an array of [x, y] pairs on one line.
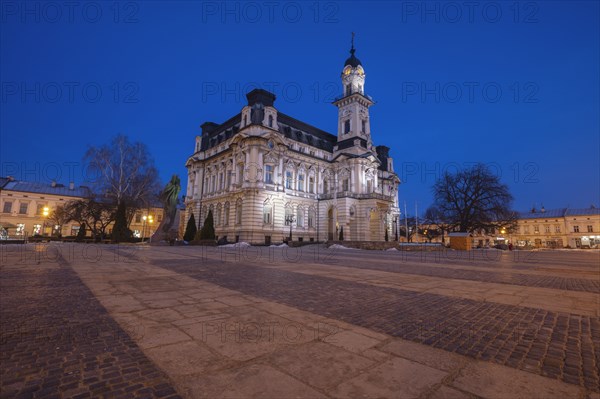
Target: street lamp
{"points": [[290, 220], [146, 219], [45, 213]]}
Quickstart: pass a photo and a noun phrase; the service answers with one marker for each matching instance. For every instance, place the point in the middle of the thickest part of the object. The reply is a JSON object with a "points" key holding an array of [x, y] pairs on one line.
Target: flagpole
{"points": [[416, 223], [405, 222]]}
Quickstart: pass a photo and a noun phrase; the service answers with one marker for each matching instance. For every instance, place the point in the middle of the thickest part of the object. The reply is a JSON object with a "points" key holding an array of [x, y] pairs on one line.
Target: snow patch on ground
{"points": [[391, 249], [240, 244], [284, 245], [338, 246]]}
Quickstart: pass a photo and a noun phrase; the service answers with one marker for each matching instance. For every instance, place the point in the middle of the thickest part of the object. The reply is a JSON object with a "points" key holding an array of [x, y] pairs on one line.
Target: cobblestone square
{"points": [[84, 320]]}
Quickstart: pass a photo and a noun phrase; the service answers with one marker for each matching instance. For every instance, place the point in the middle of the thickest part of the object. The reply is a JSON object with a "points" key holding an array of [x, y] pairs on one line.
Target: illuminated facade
{"points": [[265, 174], [26, 208]]}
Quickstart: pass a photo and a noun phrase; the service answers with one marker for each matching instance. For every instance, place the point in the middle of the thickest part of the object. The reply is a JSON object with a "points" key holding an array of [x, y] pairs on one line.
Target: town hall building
{"points": [[266, 175]]}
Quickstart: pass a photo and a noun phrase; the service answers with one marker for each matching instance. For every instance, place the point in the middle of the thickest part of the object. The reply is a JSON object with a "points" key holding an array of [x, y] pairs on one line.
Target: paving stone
{"points": [[398, 378], [500, 333], [61, 336]]}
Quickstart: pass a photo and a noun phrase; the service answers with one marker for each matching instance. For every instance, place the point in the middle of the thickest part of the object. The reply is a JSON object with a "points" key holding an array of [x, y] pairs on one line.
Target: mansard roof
{"points": [[213, 134]]}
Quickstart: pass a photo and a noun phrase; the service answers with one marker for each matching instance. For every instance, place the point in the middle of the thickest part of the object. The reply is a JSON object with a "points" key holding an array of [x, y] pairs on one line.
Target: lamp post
{"points": [[290, 220], [146, 220], [45, 213]]}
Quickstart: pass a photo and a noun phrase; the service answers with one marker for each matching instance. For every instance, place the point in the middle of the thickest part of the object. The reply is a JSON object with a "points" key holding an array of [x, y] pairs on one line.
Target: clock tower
{"points": [[353, 105]]}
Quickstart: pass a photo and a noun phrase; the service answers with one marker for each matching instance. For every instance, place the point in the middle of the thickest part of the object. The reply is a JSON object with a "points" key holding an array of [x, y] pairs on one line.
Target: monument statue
{"points": [[168, 229]]}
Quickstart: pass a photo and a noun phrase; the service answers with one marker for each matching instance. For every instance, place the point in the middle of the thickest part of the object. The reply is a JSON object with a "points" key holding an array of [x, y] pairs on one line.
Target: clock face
{"points": [[270, 144], [360, 70], [347, 70]]}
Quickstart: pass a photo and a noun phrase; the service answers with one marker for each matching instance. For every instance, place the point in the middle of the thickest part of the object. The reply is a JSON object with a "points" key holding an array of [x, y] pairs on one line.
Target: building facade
{"points": [[558, 228], [266, 176], [549, 228], [26, 207]]}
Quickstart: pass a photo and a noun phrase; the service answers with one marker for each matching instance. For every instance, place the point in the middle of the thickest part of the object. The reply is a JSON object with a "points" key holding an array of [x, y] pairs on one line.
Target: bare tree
{"points": [[127, 177], [434, 224], [59, 217], [473, 199], [411, 228], [126, 171], [91, 214]]}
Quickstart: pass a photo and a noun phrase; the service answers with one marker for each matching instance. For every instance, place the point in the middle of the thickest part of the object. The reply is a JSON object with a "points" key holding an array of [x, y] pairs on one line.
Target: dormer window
{"points": [[347, 126], [270, 120]]}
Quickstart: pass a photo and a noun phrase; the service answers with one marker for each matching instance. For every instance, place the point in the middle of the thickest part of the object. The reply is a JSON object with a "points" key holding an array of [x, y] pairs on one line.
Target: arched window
{"points": [[300, 182], [289, 215], [267, 213], [270, 120], [226, 210], [300, 217], [289, 176], [218, 215], [347, 126], [311, 217], [238, 212]]}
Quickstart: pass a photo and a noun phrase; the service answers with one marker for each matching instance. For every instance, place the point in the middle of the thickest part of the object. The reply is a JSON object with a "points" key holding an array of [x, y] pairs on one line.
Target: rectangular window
{"points": [[39, 209], [364, 126], [214, 184], [241, 175], [547, 229], [557, 229], [311, 184], [37, 229], [23, 208], [74, 230], [228, 179], [345, 185], [221, 181], [288, 180], [7, 207], [575, 229], [269, 174], [347, 127], [300, 182], [536, 229], [590, 229], [159, 217], [138, 218], [20, 229], [325, 186]]}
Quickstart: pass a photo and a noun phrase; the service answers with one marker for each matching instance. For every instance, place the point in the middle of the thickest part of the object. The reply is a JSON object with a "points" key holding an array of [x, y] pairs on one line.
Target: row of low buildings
{"points": [[543, 228], [26, 208], [554, 228]]}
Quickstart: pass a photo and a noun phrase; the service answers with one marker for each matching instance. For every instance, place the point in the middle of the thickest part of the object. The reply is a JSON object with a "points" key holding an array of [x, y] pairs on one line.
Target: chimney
{"points": [[71, 186], [53, 184]]}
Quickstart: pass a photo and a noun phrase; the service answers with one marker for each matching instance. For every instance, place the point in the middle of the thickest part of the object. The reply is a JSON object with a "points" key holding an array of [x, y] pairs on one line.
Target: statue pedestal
{"points": [[160, 237]]}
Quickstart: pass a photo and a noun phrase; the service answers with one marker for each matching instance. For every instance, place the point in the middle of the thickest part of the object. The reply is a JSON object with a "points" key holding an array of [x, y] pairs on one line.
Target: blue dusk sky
{"points": [[514, 85]]}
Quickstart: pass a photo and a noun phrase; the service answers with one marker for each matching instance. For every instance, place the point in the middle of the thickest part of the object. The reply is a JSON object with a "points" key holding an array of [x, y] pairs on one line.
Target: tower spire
{"points": [[352, 50]]}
